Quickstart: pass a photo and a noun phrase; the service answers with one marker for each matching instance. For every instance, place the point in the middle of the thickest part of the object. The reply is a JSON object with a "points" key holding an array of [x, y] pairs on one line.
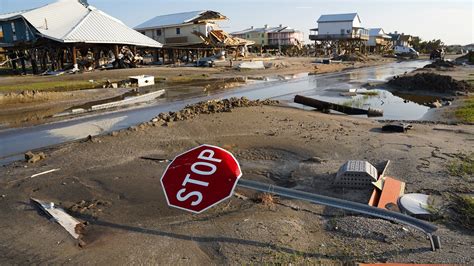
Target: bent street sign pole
{"points": [[207, 175]]}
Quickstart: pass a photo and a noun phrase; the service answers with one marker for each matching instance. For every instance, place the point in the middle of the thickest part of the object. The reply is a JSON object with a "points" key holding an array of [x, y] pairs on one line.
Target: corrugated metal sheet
{"points": [[71, 21], [98, 27], [172, 19], [57, 19], [338, 17]]}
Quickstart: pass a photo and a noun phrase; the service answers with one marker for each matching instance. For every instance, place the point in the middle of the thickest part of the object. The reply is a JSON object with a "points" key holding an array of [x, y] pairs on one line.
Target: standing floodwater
{"points": [[14, 142]]}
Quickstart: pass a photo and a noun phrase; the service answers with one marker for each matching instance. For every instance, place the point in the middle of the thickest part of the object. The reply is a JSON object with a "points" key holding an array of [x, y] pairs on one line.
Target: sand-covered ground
{"points": [[106, 182]]}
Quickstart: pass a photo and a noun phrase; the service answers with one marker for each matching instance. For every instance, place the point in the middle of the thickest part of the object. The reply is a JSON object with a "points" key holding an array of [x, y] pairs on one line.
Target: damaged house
{"points": [[379, 41], [339, 34], [272, 37], [401, 39], [191, 32], [69, 34]]}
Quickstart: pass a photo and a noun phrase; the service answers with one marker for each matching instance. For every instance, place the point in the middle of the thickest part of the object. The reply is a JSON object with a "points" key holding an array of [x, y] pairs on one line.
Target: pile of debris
{"points": [[352, 57], [209, 107], [431, 82], [440, 64], [92, 207]]}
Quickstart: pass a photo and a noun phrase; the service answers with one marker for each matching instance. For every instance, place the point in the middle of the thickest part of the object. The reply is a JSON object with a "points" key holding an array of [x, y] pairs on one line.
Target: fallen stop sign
{"points": [[200, 178]]}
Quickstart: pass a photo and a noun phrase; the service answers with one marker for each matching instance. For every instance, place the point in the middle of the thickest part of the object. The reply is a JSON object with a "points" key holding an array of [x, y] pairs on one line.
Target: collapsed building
{"points": [[69, 34], [191, 34]]}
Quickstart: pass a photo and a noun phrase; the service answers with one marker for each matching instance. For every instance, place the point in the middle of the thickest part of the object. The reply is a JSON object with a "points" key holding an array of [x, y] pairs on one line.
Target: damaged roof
{"points": [[338, 17], [181, 18], [71, 21]]}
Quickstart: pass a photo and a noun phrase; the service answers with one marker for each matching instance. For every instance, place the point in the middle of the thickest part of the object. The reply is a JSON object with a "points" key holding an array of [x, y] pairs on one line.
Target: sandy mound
{"points": [[209, 107], [440, 63], [431, 82]]}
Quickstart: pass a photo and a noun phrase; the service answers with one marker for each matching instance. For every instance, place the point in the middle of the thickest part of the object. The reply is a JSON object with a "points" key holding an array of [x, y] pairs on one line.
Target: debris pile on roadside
{"points": [[31, 157], [209, 107], [354, 57], [431, 82], [440, 64]]}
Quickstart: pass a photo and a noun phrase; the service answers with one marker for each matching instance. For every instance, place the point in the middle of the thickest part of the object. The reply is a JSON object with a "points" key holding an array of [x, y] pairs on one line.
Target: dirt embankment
{"points": [[113, 183], [431, 82]]}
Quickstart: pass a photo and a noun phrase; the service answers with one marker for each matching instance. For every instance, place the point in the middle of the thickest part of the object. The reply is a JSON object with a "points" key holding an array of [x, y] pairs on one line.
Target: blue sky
{"points": [[450, 20]]}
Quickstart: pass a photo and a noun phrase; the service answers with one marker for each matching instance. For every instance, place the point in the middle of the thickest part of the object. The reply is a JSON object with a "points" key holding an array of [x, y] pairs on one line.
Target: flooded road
{"points": [[14, 142]]}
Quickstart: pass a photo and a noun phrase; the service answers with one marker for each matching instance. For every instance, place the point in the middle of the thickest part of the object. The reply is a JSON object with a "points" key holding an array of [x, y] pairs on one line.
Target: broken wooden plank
{"points": [[68, 222], [45, 172], [322, 105]]}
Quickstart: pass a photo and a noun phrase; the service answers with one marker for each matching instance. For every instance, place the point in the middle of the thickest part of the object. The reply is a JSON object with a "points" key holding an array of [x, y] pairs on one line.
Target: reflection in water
{"points": [[85, 129]]}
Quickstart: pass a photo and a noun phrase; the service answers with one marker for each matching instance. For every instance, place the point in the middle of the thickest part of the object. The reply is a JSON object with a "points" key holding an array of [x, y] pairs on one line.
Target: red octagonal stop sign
{"points": [[200, 178]]}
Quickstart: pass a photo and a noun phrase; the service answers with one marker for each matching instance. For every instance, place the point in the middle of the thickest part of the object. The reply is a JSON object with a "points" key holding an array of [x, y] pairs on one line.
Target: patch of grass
{"points": [[188, 78], [357, 102], [370, 93], [284, 258], [463, 166], [51, 86], [465, 113], [463, 206]]}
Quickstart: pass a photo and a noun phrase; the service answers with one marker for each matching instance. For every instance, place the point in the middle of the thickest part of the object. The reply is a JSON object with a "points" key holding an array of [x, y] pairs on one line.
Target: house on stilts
{"points": [[69, 34]]}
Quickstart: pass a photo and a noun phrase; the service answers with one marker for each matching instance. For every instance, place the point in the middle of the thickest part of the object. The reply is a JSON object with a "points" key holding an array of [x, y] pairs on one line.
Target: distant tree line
{"points": [[426, 46]]}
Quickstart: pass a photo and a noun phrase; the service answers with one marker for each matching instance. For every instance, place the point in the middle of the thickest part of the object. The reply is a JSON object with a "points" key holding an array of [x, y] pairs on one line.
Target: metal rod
{"points": [[426, 227]]}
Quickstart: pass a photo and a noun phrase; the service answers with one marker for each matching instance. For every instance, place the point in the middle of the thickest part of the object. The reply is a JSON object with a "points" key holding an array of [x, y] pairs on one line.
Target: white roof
{"points": [[172, 19], [98, 27], [70, 21], [378, 32], [338, 17]]}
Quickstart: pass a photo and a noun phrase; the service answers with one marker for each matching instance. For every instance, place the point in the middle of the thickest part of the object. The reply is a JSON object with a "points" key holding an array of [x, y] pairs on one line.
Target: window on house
{"points": [[178, 31], [1, 33], [27, 35], [158, 32], [342, 31], [142, 32], [248, 35], [13, 27], [263, 35]]}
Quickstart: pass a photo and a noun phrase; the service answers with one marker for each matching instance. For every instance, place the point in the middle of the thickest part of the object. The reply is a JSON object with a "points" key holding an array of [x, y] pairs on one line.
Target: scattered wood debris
{"points": [[31, 157], [71, 224]]}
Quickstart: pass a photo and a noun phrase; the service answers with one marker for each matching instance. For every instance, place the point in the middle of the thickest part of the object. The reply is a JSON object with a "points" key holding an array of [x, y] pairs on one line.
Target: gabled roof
{"points": [[378, 32], [338, 17], [180, 18], [71, 21]]}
